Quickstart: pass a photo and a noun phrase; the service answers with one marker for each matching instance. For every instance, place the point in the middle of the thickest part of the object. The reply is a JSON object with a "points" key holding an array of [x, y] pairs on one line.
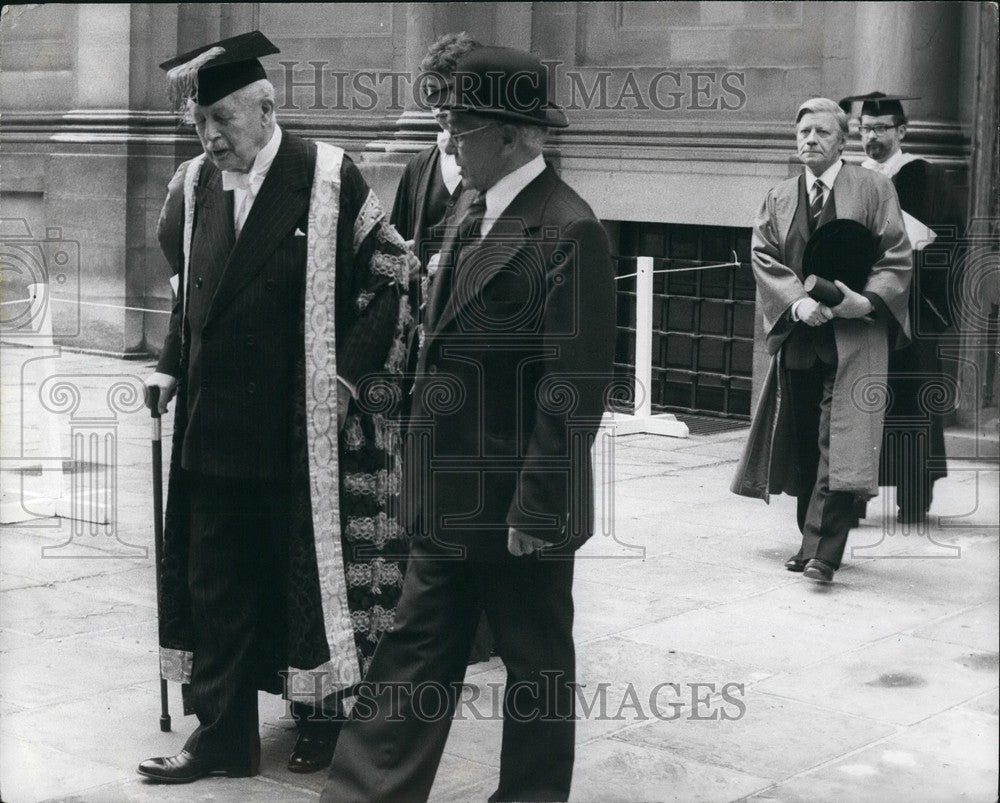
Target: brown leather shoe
{"points": [[313, 750], [186, 767]]}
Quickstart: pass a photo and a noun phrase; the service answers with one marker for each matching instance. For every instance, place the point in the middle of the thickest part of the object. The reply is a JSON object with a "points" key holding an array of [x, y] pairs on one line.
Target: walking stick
{"points": [[154, 410]]}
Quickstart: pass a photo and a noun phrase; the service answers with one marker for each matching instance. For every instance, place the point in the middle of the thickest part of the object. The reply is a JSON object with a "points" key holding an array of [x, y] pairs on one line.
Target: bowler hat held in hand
{"points": [[842, 249]]}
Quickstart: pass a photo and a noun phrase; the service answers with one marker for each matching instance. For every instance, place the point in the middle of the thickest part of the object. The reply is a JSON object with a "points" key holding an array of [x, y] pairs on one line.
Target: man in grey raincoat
{"points": [[818, 426]]}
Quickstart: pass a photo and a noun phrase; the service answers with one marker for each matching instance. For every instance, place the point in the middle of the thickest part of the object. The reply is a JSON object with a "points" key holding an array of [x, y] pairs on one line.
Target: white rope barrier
{"points": [[734, 264], [88, 304]]}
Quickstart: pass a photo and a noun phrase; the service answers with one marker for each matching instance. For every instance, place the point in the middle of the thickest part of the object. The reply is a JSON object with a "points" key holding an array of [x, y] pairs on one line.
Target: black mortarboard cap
{"points": [[209, 73], [841, 249], [877, 103]]}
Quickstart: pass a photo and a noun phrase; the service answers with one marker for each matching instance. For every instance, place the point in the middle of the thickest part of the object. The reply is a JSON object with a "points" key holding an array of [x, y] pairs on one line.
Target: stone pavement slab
{"points": [[988, 703], [770, 645], [769, 736], [899, 679], [38, 612], [599, 613], [944, 759], [612, 771], [978, 628], [52, 672], [33, 771], [625, 684]]}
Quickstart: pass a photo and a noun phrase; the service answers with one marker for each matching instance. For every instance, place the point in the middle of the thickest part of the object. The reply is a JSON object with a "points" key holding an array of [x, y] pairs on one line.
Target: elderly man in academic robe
{"points": [[817, 429], [281, 560]]}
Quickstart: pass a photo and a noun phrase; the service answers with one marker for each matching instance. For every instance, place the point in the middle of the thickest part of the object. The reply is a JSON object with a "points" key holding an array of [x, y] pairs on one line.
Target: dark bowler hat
{"points": [[501, 82], [877, 103], [841, 249], [208, 73]]}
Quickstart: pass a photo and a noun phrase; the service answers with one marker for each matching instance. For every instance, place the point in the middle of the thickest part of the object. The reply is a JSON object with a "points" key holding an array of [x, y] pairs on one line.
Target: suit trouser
{"points": [[237, 577], [824, 517], [390, 748]]}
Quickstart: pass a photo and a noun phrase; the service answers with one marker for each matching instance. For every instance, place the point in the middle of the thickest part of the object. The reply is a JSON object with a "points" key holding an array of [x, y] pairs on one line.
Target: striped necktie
{"points": [[815, 204], [472, 221], [467, 233]]}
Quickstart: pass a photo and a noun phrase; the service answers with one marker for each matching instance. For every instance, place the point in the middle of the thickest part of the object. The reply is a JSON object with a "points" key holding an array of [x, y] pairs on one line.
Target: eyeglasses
{"points": [[877, 130], [458, 136]]}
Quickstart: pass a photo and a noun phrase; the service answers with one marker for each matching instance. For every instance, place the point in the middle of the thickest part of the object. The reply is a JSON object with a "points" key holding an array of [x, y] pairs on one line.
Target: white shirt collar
{"points": [[450, 171], [232, 180], [442, 142], [502, 194], [829, 176]]}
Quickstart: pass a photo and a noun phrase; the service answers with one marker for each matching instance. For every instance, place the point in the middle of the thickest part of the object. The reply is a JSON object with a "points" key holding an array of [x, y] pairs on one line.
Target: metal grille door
{"points": [[702, 356]]}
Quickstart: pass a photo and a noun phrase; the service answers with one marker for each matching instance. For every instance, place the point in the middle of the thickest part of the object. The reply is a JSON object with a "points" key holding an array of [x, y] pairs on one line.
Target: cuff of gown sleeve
{"points": [[879, 309]]}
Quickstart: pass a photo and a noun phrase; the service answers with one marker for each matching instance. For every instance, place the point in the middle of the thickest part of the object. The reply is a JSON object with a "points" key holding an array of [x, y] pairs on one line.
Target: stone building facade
{"points": [[681, 119]]}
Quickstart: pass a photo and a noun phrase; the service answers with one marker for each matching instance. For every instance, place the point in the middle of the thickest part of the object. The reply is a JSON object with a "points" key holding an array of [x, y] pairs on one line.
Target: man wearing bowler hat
{"points": [[817, 428], [513, 368], [425, 198], [281, 561], [913, 454]]}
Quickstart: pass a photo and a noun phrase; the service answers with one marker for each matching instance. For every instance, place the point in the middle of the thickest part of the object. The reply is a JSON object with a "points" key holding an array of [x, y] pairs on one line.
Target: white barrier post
{"points": [[644, 337], [24, 496], [643, 420]]}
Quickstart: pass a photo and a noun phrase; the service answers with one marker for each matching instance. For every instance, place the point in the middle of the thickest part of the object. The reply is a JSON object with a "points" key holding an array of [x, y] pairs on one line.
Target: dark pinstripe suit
{"points": [[244, 322], [238, 365]]}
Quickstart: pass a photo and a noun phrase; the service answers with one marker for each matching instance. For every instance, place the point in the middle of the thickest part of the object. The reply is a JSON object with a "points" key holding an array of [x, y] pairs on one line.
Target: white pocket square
{"points": [[299, 233]]}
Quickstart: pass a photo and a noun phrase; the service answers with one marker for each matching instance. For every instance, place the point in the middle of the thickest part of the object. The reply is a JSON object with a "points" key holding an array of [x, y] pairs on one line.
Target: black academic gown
{"points": [[913, 451]]}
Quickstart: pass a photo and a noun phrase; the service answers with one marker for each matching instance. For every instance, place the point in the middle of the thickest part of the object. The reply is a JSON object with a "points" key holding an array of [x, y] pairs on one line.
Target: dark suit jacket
{"points": [[512, 376], [242, 336]]}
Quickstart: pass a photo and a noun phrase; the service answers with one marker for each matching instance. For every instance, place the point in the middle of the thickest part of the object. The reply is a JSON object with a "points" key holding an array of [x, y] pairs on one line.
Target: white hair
{"points": [[824, 106], [256, 93], [252, 95], [533, 136]]}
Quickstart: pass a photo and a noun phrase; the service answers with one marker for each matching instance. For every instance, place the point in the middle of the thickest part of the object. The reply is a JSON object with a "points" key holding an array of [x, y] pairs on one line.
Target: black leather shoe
{"points": [[818, 570], [186, 767], [796, 563], [313, 751]]}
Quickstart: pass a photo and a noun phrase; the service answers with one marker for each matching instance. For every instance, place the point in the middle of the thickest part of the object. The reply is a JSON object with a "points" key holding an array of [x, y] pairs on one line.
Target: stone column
{"points": [[85, 187], [152, 159], [415, 123], [513, 25], [910, 48], [979, 288]]}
